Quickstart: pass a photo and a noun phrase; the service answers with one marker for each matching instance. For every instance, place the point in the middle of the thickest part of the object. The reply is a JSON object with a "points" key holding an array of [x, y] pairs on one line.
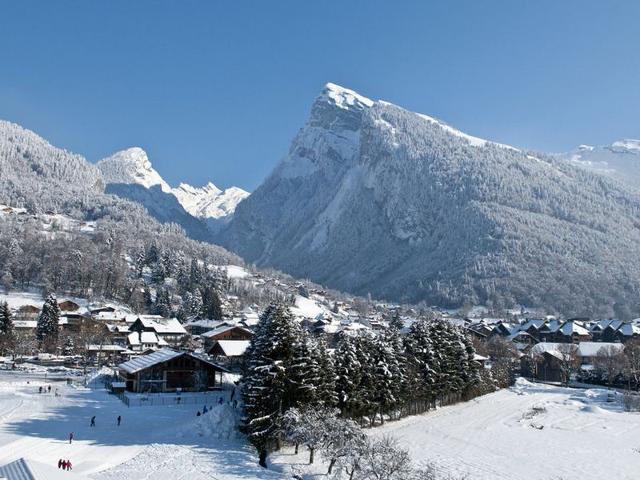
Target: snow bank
{"points": [[220, 422]]}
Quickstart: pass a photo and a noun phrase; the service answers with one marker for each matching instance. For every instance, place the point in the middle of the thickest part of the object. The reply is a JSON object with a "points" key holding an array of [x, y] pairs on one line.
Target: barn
{"points": [[169, 371]]}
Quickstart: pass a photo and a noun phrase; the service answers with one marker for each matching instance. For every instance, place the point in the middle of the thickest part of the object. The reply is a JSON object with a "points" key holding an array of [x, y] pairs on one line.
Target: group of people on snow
{"points": [[65, 464]]}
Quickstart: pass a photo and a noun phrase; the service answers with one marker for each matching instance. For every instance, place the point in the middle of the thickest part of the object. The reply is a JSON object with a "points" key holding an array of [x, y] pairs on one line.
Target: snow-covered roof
{"points": [[148, 338], [584, 349], [591, 349], [233, 348], [573, 328], [145, 361], [106, 348], [162, 325], [27, 469], [629, 329], [204, 323]]}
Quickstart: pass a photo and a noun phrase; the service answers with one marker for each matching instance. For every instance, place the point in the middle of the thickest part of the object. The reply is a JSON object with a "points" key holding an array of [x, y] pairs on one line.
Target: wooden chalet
{"points": [[229, 353], [233, 332], [169, 371]]}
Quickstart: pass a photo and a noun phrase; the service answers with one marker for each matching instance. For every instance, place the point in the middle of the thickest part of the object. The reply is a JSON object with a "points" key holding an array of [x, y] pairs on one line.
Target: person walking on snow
{"points": [[64, 464], [60, 463], [93, 421], [204, 410], [70, 438], [69, 465], [119, 420]]}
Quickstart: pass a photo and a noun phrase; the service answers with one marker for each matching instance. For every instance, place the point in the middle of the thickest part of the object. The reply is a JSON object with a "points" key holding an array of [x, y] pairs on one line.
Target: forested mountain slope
{"points": [[374, 198], [36, 175]]}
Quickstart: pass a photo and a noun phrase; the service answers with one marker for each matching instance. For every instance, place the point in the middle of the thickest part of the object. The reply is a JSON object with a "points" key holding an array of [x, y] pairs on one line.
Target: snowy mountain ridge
{"points": [[132, 166], [620, 160], [373, 198]]}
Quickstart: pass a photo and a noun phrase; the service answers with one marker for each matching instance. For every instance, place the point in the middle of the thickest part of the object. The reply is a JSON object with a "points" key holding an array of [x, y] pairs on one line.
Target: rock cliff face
{"points": [[372, 198]]}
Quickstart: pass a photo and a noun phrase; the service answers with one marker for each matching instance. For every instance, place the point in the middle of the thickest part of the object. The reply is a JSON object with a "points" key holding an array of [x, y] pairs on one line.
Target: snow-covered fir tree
{"points": [[47, 327], [7, 333], [211, 305], [6, 322], [267, 389]]}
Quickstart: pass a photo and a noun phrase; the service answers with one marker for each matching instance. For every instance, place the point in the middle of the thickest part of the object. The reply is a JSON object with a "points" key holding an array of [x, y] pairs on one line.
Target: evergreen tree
{"points": [[158, 274], [348, 373], [211, 305], [140, 262], [192, 304], [147, 299], [304, 373], [388, 376], [153, 254], [7, 334], [195, 275], [421, 360], [327, 396], [268, 389], [163, 303], [6, 322], [396, 322], [47, 327]]}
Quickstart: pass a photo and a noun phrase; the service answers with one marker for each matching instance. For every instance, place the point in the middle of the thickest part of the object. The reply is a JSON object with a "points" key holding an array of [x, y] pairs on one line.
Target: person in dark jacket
{"points": [[60, 463], [119, 420], [69, 465], [70, 437], [93, 421]]}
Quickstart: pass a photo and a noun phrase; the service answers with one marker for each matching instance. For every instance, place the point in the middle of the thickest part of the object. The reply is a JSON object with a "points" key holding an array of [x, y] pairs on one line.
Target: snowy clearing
{"points": [[160, 442], [531, 431]]}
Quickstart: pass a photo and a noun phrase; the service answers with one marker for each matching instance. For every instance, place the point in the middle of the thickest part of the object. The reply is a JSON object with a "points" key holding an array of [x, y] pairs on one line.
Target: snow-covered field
{"points": [[532, 432], [152, 442]]}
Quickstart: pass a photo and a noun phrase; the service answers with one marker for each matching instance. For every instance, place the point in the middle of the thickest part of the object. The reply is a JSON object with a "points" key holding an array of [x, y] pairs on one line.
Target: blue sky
{"points": [[216, 90]]}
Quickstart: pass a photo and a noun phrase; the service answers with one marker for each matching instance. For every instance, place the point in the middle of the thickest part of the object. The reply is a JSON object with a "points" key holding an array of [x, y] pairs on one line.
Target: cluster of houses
{"points": [[529, 332], [544, 345], [125, 336]]}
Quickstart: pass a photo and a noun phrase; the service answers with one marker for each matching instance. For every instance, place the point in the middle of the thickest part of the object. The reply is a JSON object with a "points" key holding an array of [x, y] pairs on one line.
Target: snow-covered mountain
{"points": [[30, 167], [131, 166], [209, 203], [375, 198], [620, 160]]}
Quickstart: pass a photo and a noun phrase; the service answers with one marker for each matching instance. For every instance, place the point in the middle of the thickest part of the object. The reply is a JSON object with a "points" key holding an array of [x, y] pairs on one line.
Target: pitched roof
{"points": [[145, 361], [570, 328], [162, 325], [591, 349], [233, 348], [225, 328]]}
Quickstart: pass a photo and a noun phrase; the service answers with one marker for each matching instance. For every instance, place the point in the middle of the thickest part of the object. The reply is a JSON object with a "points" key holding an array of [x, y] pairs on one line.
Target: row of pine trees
{"points": [[368, 377]]}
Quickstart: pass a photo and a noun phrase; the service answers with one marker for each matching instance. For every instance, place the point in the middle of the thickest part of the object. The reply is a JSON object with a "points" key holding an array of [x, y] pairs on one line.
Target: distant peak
{"points": [[343, 97], [131, 165], [209, 188], [627, 144]]}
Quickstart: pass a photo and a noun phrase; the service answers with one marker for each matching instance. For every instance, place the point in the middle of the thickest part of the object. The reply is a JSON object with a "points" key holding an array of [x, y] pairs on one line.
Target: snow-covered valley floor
{"points": [[152, 442], [531, 431]]}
